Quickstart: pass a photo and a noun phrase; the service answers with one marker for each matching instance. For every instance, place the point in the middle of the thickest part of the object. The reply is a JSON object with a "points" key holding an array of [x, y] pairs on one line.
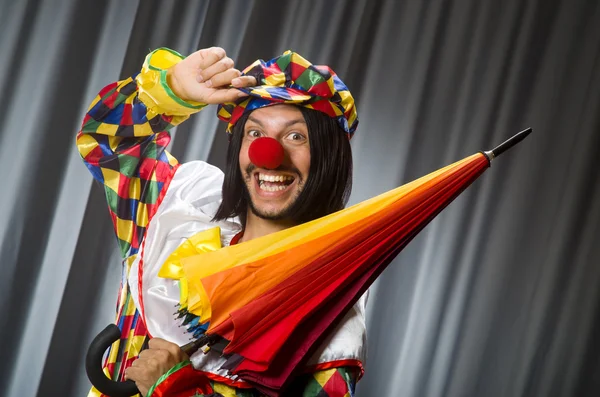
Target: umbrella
{"points": [[297, 283]]}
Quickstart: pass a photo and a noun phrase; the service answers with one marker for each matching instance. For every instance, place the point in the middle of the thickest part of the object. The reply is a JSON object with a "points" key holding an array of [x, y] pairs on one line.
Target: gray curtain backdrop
{"points": [[498, 297]]}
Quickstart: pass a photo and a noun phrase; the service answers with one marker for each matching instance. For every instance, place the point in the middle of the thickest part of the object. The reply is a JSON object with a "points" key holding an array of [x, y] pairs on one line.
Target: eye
{"points": [[253, 134], [296, 136]]}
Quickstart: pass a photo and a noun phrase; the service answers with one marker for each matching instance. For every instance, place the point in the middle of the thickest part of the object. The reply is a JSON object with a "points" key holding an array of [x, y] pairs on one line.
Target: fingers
{"points": [[218, 67], [137, 374], [231, 77], [223, 79], [153, 355], [207, 76], [141, 378], [225, 95], [146, 363], [206, 57], [243, 81], [221, 73]]}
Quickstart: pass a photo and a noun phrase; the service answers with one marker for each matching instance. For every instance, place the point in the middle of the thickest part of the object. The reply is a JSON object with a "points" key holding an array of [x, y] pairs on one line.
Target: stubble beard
{"points": [[278, 215]]}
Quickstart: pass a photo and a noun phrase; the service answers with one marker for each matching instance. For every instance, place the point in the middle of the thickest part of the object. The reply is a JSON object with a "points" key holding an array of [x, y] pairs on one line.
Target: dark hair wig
{"points": [[327, 187]]}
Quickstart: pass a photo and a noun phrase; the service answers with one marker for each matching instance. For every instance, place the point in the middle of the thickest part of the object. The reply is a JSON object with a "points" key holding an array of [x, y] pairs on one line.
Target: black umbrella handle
{"points": [[93, 365], [102, 341]]}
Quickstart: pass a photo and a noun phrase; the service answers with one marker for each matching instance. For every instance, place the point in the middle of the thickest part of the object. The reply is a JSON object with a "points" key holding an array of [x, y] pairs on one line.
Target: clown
{"points": [[288, 162]]}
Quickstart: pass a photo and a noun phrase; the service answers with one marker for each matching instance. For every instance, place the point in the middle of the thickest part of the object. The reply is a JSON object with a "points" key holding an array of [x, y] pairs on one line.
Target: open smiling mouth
{"points": [[273, 183]]}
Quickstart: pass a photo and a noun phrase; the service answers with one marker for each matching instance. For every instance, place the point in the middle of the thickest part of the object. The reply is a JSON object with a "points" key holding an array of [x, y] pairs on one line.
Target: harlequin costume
{"points": [[158, 205]]}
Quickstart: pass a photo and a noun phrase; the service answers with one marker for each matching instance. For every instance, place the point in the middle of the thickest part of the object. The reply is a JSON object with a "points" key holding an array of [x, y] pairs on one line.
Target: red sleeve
{"points": [[181, 381]]}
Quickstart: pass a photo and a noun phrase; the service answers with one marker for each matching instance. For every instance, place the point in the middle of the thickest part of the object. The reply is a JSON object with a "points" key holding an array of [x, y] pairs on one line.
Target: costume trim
{"points": [[181, 380], [161, 196], [173, 96], [236, 239], [337, 364], [160, 380]]}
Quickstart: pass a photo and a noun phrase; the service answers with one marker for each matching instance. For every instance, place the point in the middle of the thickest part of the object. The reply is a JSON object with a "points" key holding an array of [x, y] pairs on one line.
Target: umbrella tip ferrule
{"points": [[503, 147]]}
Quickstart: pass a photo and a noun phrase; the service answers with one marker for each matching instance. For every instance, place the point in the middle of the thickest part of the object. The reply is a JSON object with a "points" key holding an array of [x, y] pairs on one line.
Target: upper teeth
{"points": [[274, 178]]}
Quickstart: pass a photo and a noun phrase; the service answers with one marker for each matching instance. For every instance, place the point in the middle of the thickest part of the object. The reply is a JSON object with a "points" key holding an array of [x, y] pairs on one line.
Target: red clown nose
{"points": [[266, 152]]}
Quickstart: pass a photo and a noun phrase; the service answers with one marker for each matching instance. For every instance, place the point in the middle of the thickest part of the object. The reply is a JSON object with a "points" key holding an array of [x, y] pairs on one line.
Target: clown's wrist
{"points": [[174, 85], [154, 89]]}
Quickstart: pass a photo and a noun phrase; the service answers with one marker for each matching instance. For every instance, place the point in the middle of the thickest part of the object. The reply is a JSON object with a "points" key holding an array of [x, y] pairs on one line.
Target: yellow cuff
{"points": [[153, 90]]}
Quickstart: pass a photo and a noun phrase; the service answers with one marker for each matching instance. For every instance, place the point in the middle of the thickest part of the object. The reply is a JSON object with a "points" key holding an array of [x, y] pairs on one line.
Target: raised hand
{"points": [[207, 76]]}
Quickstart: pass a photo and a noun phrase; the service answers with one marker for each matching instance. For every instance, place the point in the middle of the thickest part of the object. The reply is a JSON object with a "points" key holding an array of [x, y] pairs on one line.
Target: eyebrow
{"points": [[287, 123]]}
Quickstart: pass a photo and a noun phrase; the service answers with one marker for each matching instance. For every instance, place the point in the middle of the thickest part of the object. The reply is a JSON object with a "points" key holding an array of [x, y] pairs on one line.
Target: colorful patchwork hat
{"points": [[291, 79]]}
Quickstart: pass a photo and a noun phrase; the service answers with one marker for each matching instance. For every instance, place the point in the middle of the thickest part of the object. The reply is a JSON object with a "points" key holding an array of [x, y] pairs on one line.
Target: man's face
{"points": [[273, 192]]}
